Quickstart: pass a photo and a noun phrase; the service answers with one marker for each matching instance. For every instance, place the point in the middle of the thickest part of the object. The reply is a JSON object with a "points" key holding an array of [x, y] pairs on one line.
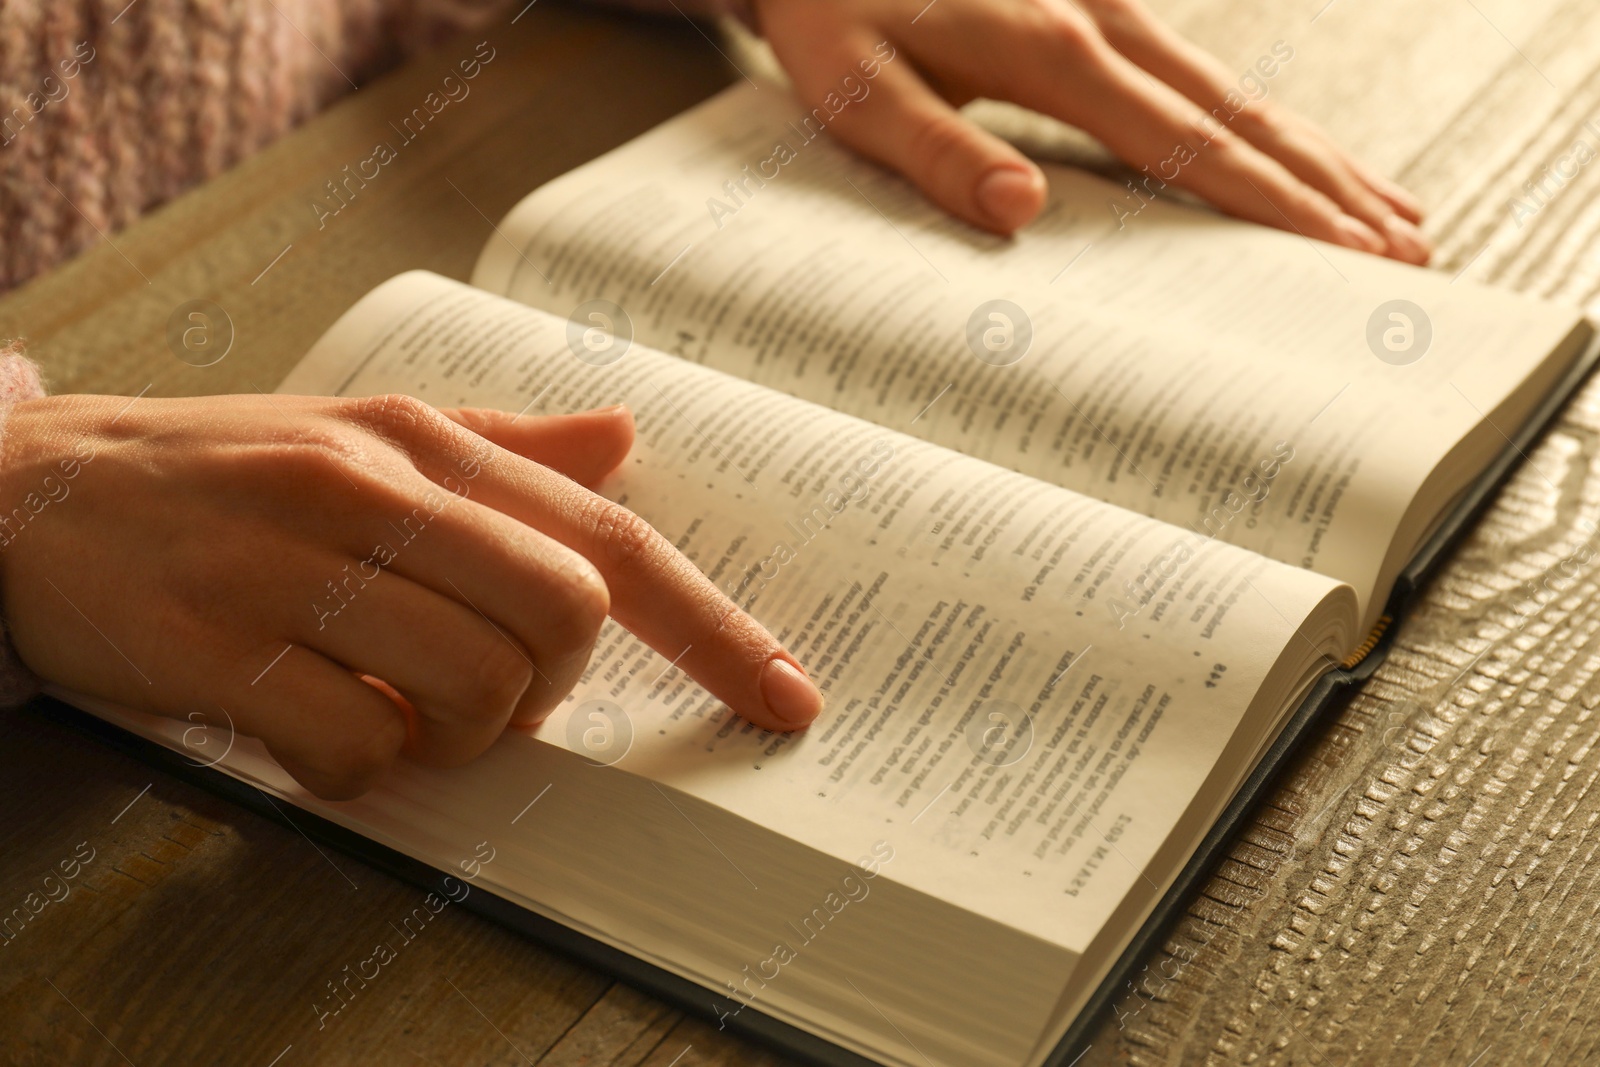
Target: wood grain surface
{"points": [[1420, 889]]}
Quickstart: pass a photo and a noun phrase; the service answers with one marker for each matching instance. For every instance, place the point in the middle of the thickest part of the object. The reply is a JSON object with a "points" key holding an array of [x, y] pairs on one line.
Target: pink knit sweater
{"points": [[110, 107]]}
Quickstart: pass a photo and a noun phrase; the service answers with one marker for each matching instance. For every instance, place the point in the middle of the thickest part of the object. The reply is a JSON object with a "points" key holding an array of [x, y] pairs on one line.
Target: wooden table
{"points": [[1421, 889]]}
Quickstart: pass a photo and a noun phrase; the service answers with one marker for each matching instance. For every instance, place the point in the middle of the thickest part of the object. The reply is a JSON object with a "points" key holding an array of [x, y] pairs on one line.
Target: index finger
{"points": [[659, 595], [1149, 123], [1138, 33]]}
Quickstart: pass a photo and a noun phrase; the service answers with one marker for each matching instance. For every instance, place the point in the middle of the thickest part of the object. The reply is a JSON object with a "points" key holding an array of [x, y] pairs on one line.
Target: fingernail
{"points": [[1408, 242], [1010, 196], [789, 694], [1358, 234]]}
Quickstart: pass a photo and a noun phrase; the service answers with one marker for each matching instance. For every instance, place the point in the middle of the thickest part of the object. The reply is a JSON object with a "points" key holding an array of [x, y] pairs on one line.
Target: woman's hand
{"points": [[1107, 66], [274, 555]]}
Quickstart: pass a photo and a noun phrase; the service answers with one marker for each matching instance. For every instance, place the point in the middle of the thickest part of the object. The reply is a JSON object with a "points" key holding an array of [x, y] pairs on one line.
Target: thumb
{"points": [[585, 446]]}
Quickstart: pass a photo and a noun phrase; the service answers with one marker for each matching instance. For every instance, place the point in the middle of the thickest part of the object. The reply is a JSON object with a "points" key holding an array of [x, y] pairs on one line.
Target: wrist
{"points": [[40, 460], [19, 386], [45, 447]]}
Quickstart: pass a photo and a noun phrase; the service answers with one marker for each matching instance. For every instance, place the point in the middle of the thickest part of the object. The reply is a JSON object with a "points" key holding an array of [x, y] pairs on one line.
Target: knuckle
{"points": [[347, 770], [503, 673], [1264, 123], [588, 599], [585, 602], [1230, 155], [1122, 13], [940, 141], [1065, 28], [627, 540], [1313, 204], [316, 460], [328, 448], [1225, 144], [395, 415]]}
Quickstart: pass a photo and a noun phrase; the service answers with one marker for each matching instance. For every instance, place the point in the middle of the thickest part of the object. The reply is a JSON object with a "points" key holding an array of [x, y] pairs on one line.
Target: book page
{"points": [[1025, 759], [1251, 385]]}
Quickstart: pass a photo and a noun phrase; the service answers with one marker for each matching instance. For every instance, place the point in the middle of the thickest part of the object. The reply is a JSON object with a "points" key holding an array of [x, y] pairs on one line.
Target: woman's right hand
{"points": [[275, 555]]}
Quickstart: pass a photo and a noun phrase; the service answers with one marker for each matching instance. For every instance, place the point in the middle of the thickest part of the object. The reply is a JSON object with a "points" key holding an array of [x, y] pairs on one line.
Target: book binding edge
{"points": [[1339, 683]]}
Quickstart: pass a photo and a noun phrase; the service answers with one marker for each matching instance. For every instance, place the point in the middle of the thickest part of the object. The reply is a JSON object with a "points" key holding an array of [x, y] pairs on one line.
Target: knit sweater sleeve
{"points": [[19, 381]]}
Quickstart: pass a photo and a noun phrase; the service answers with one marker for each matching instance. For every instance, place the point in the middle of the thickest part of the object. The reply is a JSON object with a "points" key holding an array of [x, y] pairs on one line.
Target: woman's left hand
{"points": [[1108, 66]]}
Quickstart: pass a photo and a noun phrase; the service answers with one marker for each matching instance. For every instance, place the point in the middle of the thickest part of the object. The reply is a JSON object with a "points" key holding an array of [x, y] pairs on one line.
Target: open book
{"points": [[1065, 527]]}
